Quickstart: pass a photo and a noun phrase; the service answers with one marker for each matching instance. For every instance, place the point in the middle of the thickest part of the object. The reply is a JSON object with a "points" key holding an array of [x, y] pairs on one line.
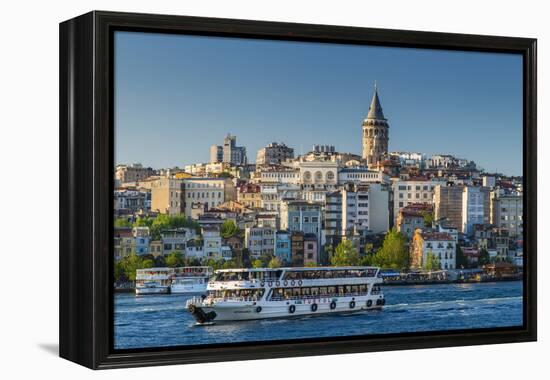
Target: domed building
{"points": [[375, 132]]}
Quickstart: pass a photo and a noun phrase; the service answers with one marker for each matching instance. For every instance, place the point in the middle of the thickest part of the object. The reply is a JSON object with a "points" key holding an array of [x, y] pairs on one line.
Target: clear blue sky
{"points": [[177, 95]]}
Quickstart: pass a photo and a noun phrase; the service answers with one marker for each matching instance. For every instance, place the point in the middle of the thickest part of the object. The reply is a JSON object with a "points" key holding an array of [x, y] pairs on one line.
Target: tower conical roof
{"points": [[375, 109]]}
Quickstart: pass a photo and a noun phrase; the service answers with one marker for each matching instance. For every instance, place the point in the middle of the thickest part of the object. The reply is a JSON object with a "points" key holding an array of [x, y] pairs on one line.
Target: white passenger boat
{"points": [[245, 294], [153, 281], [190, 280]]}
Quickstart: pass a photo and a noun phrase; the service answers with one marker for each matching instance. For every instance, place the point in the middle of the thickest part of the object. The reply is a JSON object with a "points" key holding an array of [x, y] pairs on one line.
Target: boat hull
{"points": [[188, 289], [152, 291], [232, 311]]}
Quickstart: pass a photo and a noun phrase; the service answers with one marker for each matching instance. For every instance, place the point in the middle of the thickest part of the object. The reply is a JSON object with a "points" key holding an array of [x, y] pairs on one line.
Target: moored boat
{"points": [[152, 281], [190, 280], [245, 294]]}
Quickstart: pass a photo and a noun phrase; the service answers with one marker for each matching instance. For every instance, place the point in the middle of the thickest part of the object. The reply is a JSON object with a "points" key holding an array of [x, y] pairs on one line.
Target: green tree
{"points": [[428, 219], [484, 257], [393, 253], [215, 264], [192, 262], [174, 259], [310, 264], [366, 260], [122, 222], [274, 263], [229, 228], [229, 264], [130, 264], [257, 263], [225, 175], [345, 254], [432, 262], [147, 263], [143, 222], [461, 259], [119, 273]]}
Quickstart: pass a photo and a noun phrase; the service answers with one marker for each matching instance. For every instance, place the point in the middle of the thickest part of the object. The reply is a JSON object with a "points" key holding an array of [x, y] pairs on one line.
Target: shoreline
{"points": [[395, 283]]}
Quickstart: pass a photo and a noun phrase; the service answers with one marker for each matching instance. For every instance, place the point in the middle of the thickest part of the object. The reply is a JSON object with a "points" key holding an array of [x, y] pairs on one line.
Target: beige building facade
{"points": [[167, 196]]}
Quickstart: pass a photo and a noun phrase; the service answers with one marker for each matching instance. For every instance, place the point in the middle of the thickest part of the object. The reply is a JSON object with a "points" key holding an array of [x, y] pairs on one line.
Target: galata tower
{"points": [[375, 132]]}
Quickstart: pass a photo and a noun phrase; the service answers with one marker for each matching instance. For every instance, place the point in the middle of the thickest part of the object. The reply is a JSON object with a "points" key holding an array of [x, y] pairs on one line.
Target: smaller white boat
{"points": [[190, 280], [151, 287], [153, 281]]}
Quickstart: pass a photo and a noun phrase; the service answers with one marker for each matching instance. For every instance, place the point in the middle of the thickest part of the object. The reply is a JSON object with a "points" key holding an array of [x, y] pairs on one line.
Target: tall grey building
{"points": [[229, 152]]}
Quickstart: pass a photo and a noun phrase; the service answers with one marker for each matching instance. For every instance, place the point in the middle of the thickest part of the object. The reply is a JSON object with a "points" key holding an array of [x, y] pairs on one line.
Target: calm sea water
{"points": [[158, 321]]}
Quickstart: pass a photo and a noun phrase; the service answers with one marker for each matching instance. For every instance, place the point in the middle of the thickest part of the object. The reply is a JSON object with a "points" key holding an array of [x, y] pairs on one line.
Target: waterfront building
{"points": [[375, 132], [297, 248], [167, 196], [174, 240], [132, 173], [483, 235], [448, 205], [250, 195], [475, 208], [333, 218], [411, 217], [508, 214], [274, 154], [472, 255], [313, 195], [212, 242], [355, 210], [227, 252], [440, 244], [282, 247], [451, 231], [124, 242], [234, 242], [142, 237], [310, 249], [260, 241], [155, 248], [229, 152], [501, 243], [267, 219], [413, 190], [297, 215], [194, 249], [273, 192], [208, 192]]}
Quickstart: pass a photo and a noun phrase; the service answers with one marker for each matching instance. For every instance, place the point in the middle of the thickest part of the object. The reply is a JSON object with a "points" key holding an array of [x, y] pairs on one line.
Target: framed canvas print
{"points": [[237, 190]]}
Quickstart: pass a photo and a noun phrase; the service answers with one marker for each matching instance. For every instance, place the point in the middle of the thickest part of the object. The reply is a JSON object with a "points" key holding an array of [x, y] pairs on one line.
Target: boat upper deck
{"points": [[291, 274]]}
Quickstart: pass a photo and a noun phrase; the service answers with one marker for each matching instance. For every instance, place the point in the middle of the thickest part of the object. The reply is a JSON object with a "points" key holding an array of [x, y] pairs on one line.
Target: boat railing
{"points": [[318, 296], [211, 300]]}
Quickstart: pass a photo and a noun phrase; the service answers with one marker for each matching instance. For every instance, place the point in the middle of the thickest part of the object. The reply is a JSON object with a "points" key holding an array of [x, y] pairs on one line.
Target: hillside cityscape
{"points": [[409, 213]]}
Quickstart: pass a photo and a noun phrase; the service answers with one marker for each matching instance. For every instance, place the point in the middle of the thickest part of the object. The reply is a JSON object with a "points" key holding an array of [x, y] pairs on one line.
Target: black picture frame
{"points": [[86, 187]]}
